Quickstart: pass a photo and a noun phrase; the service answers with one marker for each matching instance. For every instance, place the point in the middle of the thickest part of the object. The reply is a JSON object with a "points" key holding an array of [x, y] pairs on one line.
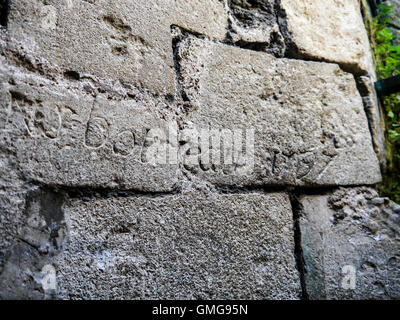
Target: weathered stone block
{"points": [[350, 241], [202, 245], [208, 17], [122, 40], [331, 30], [62, 135], [308, 119], [375, 117]]}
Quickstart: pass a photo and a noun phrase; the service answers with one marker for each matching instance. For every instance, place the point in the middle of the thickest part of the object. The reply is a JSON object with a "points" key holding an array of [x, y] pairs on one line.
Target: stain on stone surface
{"points": [[4, 10]]}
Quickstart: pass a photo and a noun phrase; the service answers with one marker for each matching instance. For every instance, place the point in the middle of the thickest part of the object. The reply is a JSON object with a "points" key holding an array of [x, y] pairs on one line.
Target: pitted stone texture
{"points": [[123, 40], [253, 24], [196, 245], [62, 135], [118, 39], [12, 200], [208, 17], [351, 227], [310, 126], [331, 30], [20, 276]]}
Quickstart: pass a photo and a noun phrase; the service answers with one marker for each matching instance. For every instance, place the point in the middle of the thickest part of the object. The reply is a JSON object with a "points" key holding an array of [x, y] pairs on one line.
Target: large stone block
{"points": [[309, 124], [195, 245], [331, 30], [63, 135], [351, 246], [122, 40]]}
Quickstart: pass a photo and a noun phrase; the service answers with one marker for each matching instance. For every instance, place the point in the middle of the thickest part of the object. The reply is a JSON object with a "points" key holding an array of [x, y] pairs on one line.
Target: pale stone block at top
{"points": [[190, 246], [330, 30], [123, 40], [309, 121]]}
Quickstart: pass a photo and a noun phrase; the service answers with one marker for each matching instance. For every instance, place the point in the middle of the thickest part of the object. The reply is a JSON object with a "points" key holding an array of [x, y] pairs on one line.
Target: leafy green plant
{"points": [[387, 60]]}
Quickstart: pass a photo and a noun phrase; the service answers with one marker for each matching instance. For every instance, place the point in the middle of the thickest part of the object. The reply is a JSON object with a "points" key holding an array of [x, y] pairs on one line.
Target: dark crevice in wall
{"points": [[4, 11], [304, 190], [90, 193], [298, 249], [249, 189], [72, 75], [255, 46], [291, 49], [245, 15]]}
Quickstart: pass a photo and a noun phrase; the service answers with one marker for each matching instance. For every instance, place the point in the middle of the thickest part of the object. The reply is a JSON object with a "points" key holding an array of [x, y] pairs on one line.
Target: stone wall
{"points": [[395, 25], [186, 149]]}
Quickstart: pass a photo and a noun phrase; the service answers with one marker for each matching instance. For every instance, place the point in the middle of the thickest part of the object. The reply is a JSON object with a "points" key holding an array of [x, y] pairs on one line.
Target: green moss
{"points": [[387, 61]]}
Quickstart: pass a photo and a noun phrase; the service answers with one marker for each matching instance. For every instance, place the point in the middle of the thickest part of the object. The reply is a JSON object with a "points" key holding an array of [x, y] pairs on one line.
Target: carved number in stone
{"points": [[40, 119], [96, 132], [48, 120], [124, 143]]}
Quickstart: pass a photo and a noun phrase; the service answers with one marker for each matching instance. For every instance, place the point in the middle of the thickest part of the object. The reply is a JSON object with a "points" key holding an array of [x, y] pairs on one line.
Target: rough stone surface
{"points": [[375, 116], [189, 246], [331, 30], [129, 41], [254, 25], [310, 126], [351, 227], [138, 140], [395, 25], [62, 135]]}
